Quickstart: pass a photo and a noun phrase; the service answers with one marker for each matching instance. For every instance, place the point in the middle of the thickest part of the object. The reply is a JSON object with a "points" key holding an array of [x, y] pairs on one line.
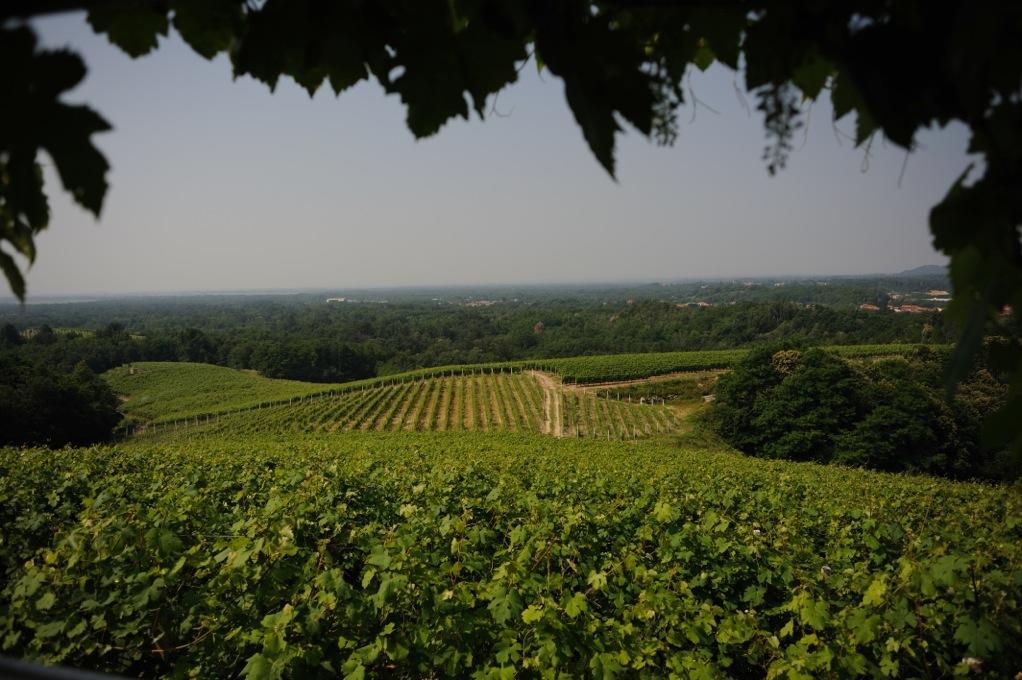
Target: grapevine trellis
{"points": [[591, 370], [496, 399]]}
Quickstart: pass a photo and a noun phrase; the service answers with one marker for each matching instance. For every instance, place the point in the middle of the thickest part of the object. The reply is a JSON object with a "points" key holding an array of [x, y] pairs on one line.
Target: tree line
{"points": [[317, 342], [52, 394], [799, 403]]}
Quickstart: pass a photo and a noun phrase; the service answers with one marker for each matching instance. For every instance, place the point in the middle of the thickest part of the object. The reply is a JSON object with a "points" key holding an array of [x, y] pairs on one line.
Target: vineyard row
{"points": [[490, 402]]}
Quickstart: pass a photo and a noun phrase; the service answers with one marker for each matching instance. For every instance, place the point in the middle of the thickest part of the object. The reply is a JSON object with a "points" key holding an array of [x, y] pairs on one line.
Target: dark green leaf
{"points": [[209, 26], [134, 27]]}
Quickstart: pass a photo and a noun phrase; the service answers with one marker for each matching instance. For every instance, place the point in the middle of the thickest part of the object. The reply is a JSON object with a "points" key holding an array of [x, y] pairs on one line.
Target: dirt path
{"points": [[551, 403]]}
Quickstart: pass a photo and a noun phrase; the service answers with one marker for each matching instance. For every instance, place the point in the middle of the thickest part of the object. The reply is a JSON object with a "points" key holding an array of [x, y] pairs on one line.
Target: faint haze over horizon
{"points": [[222, 186]]}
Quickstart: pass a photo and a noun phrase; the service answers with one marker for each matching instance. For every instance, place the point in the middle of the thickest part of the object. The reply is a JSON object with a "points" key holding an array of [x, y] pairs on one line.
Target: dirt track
{"points": [[551, 403]]}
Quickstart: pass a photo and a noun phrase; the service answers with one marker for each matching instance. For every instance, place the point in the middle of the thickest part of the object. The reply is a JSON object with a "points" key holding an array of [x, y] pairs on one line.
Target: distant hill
{"points": [[925, 270]]}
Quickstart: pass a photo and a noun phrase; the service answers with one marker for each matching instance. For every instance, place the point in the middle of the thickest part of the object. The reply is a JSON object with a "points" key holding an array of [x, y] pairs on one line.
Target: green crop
{"points": [[486, 555], [484, 402], [175, 392]]}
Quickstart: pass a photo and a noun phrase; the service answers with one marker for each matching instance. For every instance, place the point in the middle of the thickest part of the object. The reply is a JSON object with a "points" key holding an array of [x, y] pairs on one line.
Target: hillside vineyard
{"points": [[532, 519]]}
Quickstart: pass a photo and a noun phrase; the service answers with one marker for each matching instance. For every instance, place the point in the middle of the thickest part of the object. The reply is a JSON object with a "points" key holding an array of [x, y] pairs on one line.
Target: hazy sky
{"points": [[219, 184]]}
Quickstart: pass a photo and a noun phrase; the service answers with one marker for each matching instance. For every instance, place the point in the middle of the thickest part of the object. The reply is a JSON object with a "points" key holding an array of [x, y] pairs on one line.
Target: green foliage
{"points": [[206, 398], [413, 554], [42, 405], [299, 339], [816, 396], [888, 414], [34, 120], [165, 390], [615, 367], [318, 360], [686, 387]]}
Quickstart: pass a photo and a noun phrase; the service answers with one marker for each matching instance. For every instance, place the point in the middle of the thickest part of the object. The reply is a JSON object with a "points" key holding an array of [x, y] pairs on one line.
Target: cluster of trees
{"points": [[844, 292], [52, 395], [315, 360], [810, 405], [317, 342], [44, 404]]}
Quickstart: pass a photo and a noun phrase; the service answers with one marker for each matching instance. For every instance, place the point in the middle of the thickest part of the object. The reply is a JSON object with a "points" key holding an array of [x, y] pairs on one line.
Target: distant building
{"points": [[866, 307], [337, 299], [938, 293], [916, 309]]}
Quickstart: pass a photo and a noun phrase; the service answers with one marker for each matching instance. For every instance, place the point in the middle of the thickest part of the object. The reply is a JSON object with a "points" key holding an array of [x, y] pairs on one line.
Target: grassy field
{"points": [[495, 555], [155, 391]]}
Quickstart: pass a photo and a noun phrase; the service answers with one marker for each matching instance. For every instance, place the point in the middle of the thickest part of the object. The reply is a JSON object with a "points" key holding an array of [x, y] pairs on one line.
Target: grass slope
{"points": [[168, 390], [413, 554]]}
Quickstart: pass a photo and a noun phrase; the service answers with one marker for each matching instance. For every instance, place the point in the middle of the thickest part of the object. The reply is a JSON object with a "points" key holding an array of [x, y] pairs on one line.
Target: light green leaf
{"points": [[875, 592], [532, 613], [257, 668], [46, 601], [576, 605]]}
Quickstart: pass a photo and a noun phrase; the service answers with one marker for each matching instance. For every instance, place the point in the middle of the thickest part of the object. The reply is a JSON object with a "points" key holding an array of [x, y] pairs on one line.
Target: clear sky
{"points": [[220, 185]]}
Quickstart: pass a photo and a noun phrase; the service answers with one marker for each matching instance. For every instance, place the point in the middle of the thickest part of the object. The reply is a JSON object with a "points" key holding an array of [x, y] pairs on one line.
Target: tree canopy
{"points": [[888, 415], [899, 66]]}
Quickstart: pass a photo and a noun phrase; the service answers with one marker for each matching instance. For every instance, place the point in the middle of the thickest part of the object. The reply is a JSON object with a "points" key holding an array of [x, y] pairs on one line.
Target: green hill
{"points": [[164, 392], [154, 391], [510, 402]]}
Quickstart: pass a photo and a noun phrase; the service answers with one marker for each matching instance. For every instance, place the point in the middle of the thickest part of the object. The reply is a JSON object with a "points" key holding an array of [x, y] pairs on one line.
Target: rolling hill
{"points": [[178, 393]]}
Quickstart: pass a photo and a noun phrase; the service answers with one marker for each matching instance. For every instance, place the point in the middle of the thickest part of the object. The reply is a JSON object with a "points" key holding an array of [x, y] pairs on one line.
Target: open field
{"points": [[498, 554]]}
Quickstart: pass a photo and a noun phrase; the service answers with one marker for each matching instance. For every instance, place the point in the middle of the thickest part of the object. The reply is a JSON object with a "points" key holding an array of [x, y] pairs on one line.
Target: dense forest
{"points": [[302, 337]]}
